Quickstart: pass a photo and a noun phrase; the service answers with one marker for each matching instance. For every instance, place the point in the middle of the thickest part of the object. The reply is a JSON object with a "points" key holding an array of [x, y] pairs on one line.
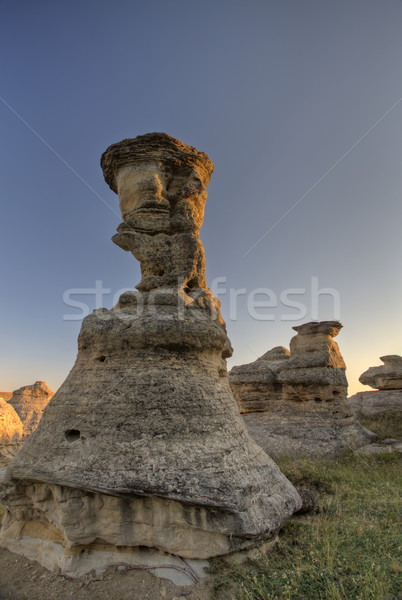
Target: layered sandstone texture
{"points": [[386, 377], [142, 451], [29, 402], [374, 402], [256, 386], [11, 431], [307, 412], [387, 381]]}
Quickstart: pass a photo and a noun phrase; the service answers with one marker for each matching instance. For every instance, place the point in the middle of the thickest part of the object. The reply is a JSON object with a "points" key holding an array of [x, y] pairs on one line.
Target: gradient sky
{"points": [[284, 96]]}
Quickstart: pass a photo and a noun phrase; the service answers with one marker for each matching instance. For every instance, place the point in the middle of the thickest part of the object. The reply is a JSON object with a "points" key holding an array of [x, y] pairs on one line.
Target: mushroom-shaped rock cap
{"points": [[392, 359], [385, 377], [331, 328], [154, 147]]}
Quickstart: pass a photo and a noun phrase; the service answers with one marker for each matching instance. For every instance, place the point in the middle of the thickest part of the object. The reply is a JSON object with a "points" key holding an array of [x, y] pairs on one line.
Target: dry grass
{"points": [[385, 425], [350, 550]]}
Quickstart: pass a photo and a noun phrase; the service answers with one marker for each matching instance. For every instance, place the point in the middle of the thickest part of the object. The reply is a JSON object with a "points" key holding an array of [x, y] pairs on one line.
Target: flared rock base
{"points": [[54, 557], [74, 533]]}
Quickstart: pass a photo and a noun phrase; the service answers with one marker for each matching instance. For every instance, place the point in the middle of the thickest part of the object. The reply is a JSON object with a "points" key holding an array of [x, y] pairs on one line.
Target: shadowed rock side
{"points": [[143, 445], [387, 380], [29, 402], [11, 431], [386, 377], [256, 385], [307, 412], [372, 403]]}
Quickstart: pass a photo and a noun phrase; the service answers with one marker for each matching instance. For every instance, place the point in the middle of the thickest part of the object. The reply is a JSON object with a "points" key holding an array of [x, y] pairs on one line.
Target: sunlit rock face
{"points": [[29, 402], [303, 398], [143, 445], [387, 381], [11, 431], [162, 188]]}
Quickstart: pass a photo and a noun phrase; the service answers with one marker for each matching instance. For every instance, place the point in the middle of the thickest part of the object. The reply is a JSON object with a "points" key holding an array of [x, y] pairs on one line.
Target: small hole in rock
{"points": [[72, 435], [317, 399], [102, 358], [336, 393]]}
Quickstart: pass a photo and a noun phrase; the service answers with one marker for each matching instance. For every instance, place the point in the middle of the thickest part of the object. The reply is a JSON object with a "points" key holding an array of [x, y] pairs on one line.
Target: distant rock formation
{"points": [[11, 431], [305, 411], [315, 370], [255, 385], [29, 402], [385, 377], [6, 396], [142, 450], [387, 380]]}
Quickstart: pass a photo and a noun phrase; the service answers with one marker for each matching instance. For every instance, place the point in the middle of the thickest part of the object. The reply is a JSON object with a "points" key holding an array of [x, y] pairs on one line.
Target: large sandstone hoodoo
{"points": [[387, 381], [142, 450], [10, 432], [29, 402], [307, 413]]}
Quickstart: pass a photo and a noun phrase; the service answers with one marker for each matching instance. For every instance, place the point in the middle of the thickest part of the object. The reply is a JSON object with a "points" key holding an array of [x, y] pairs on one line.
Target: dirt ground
{"points": [[22, 579]]}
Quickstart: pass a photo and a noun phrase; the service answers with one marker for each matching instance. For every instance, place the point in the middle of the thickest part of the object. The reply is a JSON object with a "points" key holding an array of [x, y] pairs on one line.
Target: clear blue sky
{"points": [[278, 93]]}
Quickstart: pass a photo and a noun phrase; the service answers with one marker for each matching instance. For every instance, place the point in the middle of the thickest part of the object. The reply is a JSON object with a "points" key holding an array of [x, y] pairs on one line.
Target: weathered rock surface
{"points": [[255, 385], [310, 415], [386, 377], [381, 448], [371, 403], [11, 431], [315, 370], [6, 396], [388, 380], [29, 402], [310, 501], [143, 445]]}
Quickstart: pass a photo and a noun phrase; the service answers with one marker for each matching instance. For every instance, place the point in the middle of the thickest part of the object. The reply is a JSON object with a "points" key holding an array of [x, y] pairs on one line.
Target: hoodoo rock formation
{"points": [[256, 386], [142, 455], [304, 398], [386, 377], [10, 432], [29, 402], [387, 381]]}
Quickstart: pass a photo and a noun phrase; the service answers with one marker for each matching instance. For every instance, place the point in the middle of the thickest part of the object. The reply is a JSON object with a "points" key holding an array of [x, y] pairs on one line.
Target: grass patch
{"points": [[385, 425], [351, 549]]}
